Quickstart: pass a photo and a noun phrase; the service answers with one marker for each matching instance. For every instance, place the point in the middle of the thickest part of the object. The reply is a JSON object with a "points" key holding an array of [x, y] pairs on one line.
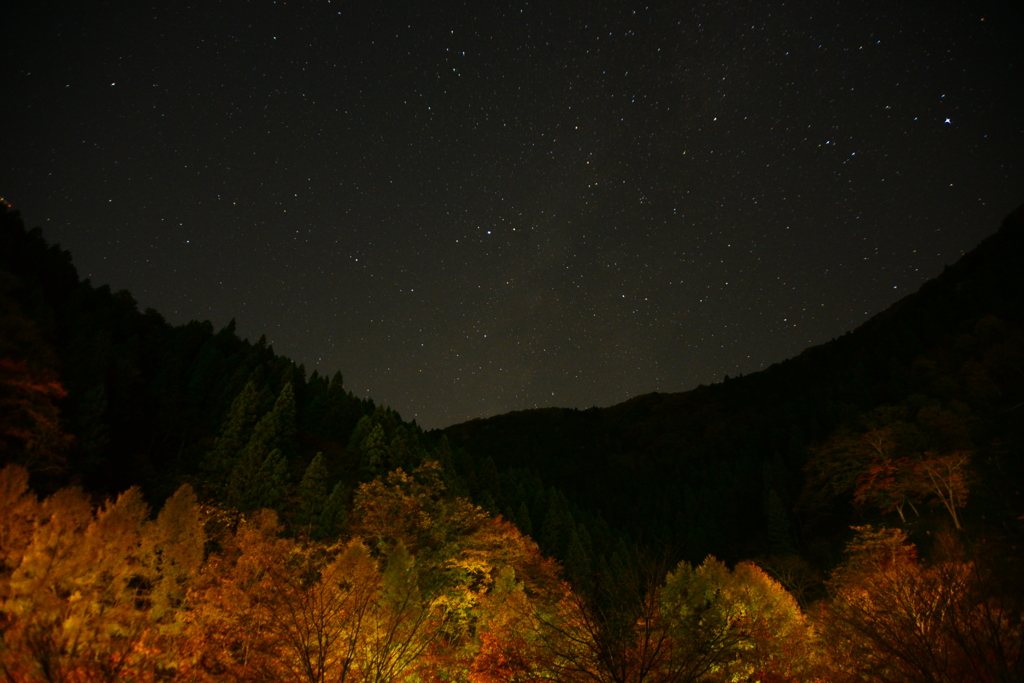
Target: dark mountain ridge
{"points": [[736, 469], [721, 468]]}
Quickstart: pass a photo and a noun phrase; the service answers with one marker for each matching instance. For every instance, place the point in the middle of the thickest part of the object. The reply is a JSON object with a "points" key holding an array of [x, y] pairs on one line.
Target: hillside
{"points": [[721, 468], [304, 534]]}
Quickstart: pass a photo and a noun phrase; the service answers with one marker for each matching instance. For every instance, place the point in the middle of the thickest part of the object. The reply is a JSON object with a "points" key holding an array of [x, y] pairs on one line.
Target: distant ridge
{"points": [[707, 457]]}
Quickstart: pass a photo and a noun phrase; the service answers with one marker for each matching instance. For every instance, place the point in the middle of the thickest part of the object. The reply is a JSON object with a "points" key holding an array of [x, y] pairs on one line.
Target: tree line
{"points": [[305, 533]]}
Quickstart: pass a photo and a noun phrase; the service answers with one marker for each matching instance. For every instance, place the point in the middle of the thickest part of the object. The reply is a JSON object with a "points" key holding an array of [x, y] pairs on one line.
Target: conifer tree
{"points": [[258, 482], [276, 429], [374, 453], [557, 526], [315, 411], [234, 434], [335, 423], [523, 520], [399, 453], [780, 538], [274, 481], [359, 433], [577, 563], [334, 516], [313, 491]]}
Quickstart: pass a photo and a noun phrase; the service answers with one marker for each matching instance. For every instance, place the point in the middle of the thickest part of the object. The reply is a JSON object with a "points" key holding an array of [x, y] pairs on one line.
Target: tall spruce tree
{"points": [[260, 477], [334, 517], [234, 435], [258, 482], [313, 492], [374, 453], [276, 429]]}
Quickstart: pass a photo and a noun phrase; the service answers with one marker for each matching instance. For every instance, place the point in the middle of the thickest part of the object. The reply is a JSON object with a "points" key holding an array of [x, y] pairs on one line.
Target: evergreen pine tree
{"points": [[258, 482], [334, 425], [374, 453], [313, 491], [780, 537], [523, 520], [399, 454], [577, 563], [234, 435], [276, 429], [557, 526], [273, 484], [359, 434], [314, 412], [333, 518], [242, 483]]}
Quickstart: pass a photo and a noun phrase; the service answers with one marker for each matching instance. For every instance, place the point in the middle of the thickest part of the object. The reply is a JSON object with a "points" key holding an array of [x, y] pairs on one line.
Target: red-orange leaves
{"points": [[30, 431]]}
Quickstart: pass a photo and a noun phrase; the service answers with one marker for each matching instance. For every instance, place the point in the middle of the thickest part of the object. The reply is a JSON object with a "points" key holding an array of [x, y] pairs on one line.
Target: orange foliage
{"points": [[30, 431], [892, 617], [79, 585]]}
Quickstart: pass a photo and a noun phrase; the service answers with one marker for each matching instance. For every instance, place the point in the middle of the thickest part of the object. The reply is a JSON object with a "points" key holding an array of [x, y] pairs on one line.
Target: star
{"points": [[703, 164]]}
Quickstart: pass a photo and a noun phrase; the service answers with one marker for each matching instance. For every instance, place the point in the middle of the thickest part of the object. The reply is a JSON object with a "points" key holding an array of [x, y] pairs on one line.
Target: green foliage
{"points": [[334, 518], [735, 625], [276, 429], [257, 482], [234, 434], [313, 495], [902, 418], [374, 453]]}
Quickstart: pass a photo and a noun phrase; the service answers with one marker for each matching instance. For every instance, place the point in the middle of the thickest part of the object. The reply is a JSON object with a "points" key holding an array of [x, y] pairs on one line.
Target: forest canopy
{"points": [[177, 503]]}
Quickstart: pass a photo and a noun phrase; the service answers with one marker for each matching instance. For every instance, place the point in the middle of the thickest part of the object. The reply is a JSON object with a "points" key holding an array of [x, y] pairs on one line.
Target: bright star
{"points": [[948, 121]]}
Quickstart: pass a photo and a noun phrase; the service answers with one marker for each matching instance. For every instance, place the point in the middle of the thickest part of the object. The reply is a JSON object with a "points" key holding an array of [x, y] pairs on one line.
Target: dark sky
{"points": [[475, 208]]}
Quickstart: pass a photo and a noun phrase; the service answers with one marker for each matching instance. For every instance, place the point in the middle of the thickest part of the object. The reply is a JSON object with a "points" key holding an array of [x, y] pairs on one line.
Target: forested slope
{"points": [[305, 534], [722, 468]]}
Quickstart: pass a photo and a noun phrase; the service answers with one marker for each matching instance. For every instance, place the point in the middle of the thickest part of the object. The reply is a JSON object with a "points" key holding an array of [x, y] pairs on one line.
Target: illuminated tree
{"points": [[945, 476], [738, 625], [231, 628], [74, 599], [886, 481], [892, 618], [18, 513], [175, 540], [511, 649], [896, 464]]}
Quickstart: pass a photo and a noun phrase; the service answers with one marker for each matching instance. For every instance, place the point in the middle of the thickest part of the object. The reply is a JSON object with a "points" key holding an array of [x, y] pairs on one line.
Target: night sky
{"points": [[476, 208]]}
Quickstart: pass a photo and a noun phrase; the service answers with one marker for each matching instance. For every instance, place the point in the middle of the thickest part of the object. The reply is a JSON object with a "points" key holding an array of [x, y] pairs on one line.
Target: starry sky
{"points": [[471, 208]]}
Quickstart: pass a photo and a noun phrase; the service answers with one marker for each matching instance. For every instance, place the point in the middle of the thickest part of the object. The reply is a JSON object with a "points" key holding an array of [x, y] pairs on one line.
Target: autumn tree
{"points": [[231, 627], [30, 430], [87, 595], [511, 646], [899, 461], [733, 625], [892, 617]]}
